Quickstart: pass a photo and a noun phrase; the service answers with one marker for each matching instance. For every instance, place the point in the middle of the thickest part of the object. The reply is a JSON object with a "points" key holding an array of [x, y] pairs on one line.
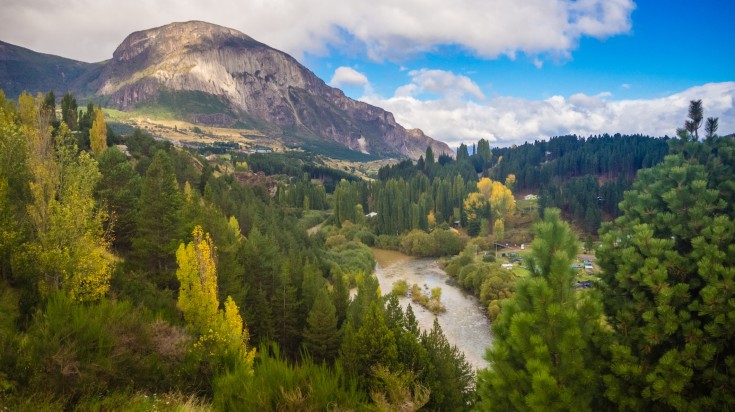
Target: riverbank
{"points": [[464, 323]]}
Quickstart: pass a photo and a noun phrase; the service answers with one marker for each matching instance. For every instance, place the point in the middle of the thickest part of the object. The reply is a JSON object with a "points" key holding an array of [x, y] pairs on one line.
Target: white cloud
{"points": [[347, 76], [626, 86], [510, 120], [89, 30], [440, 82]]}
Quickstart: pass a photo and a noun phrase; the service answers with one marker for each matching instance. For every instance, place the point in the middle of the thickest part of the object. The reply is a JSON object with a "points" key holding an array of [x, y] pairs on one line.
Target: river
{"points": [[464, 323]]}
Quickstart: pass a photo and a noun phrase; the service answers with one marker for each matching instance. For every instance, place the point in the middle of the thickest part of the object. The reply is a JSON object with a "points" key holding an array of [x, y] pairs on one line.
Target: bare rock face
{"points": [[253, 81]]}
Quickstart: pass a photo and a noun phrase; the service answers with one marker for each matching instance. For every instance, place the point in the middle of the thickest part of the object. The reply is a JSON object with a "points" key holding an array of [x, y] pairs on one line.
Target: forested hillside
{"points": [[148, 279], [135, 275]]}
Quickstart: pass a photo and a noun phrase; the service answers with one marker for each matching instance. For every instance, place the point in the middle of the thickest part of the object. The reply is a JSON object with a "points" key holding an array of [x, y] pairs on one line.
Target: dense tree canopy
{"points": [[544, 354], [668, 270]]}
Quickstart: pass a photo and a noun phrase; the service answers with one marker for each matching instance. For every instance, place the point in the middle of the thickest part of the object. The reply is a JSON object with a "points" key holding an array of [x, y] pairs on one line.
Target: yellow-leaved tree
{"points": [[219, 332], [431, 219], [502, 203], [69, 248], [98, 132], [493, 200]]}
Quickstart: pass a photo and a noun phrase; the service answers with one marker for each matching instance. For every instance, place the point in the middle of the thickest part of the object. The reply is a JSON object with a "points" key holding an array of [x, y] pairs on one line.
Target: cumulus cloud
{"points": [[509, 120], [347, 76], [444, 83], [89, 30]]}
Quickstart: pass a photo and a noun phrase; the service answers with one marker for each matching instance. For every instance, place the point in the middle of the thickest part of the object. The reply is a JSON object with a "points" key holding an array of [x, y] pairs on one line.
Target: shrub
{"points": [[388, 242], [334, 241], [75, 351], [447, 242], [400, 288], [365, 237]]}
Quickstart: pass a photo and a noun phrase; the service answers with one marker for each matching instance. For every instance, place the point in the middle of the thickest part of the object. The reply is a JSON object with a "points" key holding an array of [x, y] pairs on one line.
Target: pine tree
{"points": [[369, 345], [158, 223], [119, 191], [321, 336], [340, 295], [285, 308], [462, 152], [450, 378], [668, 266], [483, 150], [429, 158], [544, 354], [69, 111]]}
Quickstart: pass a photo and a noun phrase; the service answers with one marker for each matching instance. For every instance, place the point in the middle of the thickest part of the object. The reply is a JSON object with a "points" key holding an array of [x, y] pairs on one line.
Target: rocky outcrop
{"points": [[241, 79], [254, 80]]}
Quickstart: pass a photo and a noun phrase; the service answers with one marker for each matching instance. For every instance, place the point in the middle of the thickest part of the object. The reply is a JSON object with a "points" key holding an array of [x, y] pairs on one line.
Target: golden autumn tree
{"points": [[493, 200], [220, 332], [431, 219], [69, 246], [98, 132], [502, 202]]}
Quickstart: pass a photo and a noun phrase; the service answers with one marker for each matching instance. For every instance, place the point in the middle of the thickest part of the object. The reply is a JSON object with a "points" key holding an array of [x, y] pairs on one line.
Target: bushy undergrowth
{"points": [[83, 351], [279, 386], [440, 242]]}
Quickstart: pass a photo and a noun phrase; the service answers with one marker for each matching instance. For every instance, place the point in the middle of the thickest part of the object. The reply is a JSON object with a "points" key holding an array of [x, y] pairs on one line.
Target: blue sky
{"points": [[505, 70]]}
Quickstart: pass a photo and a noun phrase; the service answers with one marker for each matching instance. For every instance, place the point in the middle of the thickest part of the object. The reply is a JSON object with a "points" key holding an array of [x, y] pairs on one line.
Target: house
{"points": [[508, 266], [530, 197], [371, 214]]}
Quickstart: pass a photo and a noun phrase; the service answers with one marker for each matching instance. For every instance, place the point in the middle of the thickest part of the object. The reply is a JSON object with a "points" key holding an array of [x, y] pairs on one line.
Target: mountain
{"points": [[22, 69], [214, 75]]}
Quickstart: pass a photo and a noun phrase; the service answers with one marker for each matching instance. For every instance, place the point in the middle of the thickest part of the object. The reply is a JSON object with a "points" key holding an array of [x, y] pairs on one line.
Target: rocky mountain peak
{"points": [[217, 74], [172, 37]]}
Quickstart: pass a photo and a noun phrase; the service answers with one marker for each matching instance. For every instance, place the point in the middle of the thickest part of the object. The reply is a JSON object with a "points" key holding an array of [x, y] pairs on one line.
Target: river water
{"points": [[464, 323]]}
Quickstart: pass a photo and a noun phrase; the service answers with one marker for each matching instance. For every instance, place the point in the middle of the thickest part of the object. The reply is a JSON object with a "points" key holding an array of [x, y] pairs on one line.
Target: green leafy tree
{"points": [[669, 274], [544, 354], [69, 251], [14, 183]]}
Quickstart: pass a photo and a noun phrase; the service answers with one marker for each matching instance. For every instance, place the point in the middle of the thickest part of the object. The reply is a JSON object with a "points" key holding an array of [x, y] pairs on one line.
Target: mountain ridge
{"points": [[253, 84]]}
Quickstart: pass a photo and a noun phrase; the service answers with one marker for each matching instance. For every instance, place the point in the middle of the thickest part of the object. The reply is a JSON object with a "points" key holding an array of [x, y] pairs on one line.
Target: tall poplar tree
{"points": [[544, 354], [220, 332], [69, 249], [98, 132]]}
